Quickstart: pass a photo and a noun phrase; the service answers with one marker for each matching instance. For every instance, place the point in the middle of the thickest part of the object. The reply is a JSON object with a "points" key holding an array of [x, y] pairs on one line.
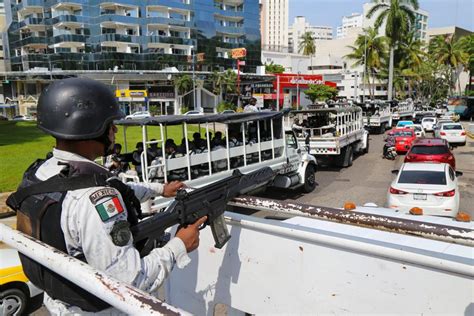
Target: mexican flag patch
{"points": [[109, 208]]}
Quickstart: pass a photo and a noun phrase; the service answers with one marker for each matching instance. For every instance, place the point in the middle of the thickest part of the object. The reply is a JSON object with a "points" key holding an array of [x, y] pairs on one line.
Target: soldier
{"points": [[76, 206]]}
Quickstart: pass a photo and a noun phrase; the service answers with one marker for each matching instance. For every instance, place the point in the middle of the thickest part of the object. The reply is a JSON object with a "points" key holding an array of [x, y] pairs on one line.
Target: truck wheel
{"points": [[366, 149], [309, 179], [13, 301], [348, 156], [381, 129]]}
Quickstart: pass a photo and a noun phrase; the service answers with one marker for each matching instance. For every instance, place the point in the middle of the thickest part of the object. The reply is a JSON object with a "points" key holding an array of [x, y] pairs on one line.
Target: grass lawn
{"points": [[21, 143]]}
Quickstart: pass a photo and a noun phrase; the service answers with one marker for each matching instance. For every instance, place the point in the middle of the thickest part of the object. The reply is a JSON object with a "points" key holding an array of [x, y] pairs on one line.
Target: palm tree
{"points": [[307, 46], [450, 52], [411, 49], [183, 84], [399, 17], [369, 51], [467, 42]]}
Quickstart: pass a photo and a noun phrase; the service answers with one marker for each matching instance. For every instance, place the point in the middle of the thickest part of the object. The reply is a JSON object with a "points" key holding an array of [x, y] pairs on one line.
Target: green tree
{"points": [[369, 50], [450, 52], [183, 84], [400, 18], [467, 43], [320, 92], [412, 51], [307, 46], [274, 68]]}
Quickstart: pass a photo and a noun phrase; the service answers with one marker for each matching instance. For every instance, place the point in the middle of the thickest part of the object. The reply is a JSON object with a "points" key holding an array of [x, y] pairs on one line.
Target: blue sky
{"points": [[330, 12]]}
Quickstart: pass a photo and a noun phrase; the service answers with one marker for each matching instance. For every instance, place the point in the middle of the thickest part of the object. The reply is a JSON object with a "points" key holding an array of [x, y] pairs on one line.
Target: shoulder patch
{"points": [[109, 208], [100, 194]]}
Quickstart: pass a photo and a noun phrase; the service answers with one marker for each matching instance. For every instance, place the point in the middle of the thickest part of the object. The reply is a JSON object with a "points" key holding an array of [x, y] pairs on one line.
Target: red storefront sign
{"points": [[294, 81]]}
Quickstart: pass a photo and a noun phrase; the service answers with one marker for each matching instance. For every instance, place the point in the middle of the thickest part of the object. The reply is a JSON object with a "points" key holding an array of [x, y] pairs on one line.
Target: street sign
{"points": [[239, 53]]}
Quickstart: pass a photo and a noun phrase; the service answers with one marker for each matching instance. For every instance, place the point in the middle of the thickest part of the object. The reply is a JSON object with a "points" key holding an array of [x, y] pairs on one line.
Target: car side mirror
{"points": [[459, 173], [395, 171]]}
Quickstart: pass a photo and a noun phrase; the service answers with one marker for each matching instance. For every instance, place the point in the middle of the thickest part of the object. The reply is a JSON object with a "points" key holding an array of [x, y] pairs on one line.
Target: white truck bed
{"points": [[311, 266]]}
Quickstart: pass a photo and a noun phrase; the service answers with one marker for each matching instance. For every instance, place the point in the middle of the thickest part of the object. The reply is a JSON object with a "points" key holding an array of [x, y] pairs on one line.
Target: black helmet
{"points": [[77, 109]]}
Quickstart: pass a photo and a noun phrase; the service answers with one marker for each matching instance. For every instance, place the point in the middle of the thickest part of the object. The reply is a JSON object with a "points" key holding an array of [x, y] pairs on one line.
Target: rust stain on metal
{"points": [[403, 226]]}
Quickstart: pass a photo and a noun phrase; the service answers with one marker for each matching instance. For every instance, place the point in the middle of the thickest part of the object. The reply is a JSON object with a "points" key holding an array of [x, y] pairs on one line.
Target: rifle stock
{"points": [[210, 200]]}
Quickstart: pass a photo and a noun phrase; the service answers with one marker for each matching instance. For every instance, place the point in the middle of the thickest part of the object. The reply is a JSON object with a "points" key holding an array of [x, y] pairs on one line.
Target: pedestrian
{"points": [[251, 106], [75, 205]]}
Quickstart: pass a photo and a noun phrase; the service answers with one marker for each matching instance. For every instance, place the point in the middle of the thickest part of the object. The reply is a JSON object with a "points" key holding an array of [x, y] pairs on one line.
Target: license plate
{"points": [[402, 143], [418, 196]]}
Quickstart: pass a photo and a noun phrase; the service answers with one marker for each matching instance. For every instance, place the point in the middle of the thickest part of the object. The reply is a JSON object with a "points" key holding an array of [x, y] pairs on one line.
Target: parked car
{"points": [[431, 149], [227, 112], [138, 115], [454, 133], [403, 124], [438, 125], [433, 187], [428, 123], [193, 113], [419, 131], [3, 118], [16, 291], [22, 118], [403, 138]]}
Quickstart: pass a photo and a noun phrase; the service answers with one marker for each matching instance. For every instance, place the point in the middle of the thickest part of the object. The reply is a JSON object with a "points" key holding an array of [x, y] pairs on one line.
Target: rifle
{"points": [[188, 206]]}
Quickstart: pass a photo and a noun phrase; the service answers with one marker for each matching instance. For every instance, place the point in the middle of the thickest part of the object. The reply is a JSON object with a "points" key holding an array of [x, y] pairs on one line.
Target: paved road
{"points": [[369, 178]]}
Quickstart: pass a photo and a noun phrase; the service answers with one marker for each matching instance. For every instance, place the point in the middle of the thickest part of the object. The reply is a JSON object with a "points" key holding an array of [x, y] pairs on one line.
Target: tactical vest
{"points": [[39, 206]]}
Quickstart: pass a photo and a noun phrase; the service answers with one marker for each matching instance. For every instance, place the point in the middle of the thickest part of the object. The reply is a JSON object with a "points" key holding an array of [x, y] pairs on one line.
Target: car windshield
{"points": [[428, 120], [452, 127], [418, 129], [402, 134], [422, 177], [429, 150]]}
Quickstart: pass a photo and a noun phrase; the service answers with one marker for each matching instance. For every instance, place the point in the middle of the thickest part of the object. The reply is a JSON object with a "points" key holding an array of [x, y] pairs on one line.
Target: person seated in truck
{"points": [[116, 162], [218, 141], [182, 147], [297, 127], [154, 151], [172, 152]]}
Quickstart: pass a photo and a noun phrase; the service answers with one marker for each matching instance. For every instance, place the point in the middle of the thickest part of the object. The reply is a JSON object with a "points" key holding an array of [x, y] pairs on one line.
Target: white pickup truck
{"points": [[249, 141], [403, 110], [377, 116], [335, 133], [301, 260]]}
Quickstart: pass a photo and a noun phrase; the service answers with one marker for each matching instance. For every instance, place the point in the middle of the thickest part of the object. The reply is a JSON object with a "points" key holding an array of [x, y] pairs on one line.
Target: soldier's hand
{"points": [[190, 234], [170, 188]]}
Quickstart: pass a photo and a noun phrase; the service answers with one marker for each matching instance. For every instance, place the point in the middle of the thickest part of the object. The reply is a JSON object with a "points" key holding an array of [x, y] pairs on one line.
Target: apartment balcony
{"points": [[70, 19], [117, 19], [170, 40], [168, 21], [229, 30], [68, 5], [232, 18], [113, 37], [32, 40], [27, 7], [68, 38]]}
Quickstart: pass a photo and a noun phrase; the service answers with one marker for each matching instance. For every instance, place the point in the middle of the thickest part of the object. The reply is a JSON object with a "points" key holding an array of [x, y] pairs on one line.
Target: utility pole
{"points": [[194, 78], [365, 66]]}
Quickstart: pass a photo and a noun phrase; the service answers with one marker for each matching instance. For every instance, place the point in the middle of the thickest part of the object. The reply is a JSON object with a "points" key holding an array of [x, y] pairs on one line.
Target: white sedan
{"points": [[22, 118], [428, 123], [138, 115], [433, 187], [454, 133]]}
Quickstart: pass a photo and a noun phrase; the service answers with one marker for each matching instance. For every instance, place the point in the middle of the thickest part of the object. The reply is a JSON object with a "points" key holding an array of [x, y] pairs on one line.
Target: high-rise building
{"points": [[349, 22], [301, 26], [127, 34], [274, 21]]}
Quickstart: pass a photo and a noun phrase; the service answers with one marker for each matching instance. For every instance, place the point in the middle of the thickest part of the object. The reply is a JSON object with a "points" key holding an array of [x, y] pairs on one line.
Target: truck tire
{"points": [[348, 156], [381, 129], [366, 149], [309, 179]]}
